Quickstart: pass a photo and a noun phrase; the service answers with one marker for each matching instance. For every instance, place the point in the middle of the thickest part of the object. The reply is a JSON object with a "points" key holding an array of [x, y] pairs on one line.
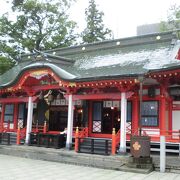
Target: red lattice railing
{"points": [[37, 128], [5, 127], [83, 132]]}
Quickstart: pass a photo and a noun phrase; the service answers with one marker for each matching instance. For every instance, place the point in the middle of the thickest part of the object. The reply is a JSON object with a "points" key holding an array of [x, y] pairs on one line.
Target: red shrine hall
{"points": [[96, 87]]}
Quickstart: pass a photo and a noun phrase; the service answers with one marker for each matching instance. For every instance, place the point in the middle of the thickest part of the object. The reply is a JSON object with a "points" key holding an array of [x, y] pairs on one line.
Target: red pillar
{"points": [[15, 120], [90, 121], [76, 147], [113, 148], [8, 125], [2, 116], [18, 136], [170, 114], [162, 112], [45, 127], [135, 114]]}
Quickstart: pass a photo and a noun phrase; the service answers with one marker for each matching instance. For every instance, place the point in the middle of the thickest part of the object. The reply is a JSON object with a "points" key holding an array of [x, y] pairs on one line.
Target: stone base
{"points": [[140, 160], [69, 146], [142, 163], [122, 153]]}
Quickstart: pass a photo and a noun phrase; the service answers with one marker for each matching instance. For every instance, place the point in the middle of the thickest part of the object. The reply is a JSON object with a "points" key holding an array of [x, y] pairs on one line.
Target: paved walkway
{"points": [[116, 162], [16, 168]]}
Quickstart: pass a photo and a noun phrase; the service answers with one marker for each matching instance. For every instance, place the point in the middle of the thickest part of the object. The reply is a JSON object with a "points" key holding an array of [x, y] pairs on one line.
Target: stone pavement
{"points": [[116, 162], [17, 168]]}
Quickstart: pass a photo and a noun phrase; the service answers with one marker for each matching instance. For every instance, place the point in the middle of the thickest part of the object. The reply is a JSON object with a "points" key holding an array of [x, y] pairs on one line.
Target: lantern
{"points": [[50, 98]]}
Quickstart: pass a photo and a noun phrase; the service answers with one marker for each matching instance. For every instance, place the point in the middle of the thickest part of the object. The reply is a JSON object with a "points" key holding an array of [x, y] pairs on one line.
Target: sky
{"points": [[121, 16]]}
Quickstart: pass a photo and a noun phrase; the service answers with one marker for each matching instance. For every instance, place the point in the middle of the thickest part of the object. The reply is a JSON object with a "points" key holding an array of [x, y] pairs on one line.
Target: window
{"points": [[149, 115], [21, 115], [97, 116], [21, 111], [9, 112], [58, 118], [97, 111], [106, 115], [129, 111]]}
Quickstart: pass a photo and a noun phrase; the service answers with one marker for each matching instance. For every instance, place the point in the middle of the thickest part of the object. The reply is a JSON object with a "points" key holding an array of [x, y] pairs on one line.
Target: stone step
{"points": [[95, 145], [116, 162], [141, 160], [136, 170], [99, 146], [12, 136], [96, 151], [86, 146], [140, 166]]}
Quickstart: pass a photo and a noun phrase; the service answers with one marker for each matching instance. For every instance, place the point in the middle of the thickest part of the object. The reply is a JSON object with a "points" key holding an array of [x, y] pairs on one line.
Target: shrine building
{"points": [[128, 84]]}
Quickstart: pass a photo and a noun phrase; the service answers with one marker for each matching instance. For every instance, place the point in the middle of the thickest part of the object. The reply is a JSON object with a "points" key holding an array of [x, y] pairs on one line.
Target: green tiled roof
{"points": [[105, 60], [12, 75]]}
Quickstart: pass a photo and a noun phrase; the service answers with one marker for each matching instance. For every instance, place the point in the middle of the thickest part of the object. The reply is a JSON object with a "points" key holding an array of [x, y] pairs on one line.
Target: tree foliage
{"points": [[5, 64], [173, 19], [17, 2], [95, 29], [37, 25]]}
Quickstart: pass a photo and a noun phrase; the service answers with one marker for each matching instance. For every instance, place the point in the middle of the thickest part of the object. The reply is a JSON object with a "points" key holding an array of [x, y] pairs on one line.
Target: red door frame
{"points": [[170, 114], [135, 115], [15, 118], [2, 115]]}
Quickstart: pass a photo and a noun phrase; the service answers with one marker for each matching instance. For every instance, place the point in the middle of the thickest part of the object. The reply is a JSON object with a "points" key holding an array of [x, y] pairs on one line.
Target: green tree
{"points": [[17, 2], [95, 29], [37, 25], [5, 64], [173, 19], [6, 54]]}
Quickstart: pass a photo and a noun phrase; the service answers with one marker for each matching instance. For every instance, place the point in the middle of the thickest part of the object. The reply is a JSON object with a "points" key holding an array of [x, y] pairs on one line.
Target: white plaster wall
{"points": [[157, 92], [153, 132], [176, 120]]}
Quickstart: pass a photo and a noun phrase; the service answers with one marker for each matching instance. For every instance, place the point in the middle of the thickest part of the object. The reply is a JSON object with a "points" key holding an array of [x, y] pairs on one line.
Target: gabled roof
{"points": [[121, 58]]}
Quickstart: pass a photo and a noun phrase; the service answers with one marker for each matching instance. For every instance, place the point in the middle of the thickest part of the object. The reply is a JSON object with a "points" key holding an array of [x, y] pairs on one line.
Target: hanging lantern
{"points": [[58, 96], [41, 95], [50, 98]]}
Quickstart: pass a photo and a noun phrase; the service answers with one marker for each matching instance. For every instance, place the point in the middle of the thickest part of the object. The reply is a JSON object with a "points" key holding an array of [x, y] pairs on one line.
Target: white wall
{"points": [[176, 120]]}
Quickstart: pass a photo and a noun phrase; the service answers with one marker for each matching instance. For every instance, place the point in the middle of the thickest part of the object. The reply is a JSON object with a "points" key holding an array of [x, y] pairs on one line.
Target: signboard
{"points": [[174, 91], [34, 105], [64, 102], [39, 74], [111, 104]]}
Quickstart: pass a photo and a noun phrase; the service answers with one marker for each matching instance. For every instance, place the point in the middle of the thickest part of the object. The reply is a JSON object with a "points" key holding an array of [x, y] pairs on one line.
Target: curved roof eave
{"points": [[172, 68], [64, 75], [61, 73], [113, 77]]}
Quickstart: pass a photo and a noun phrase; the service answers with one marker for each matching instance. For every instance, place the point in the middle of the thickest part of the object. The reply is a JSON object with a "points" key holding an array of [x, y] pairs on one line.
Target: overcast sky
{"points": [[121, 16]]}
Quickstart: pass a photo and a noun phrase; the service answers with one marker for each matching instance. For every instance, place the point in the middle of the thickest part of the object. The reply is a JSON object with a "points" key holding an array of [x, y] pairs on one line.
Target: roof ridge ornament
{"points": [[39, 55], [44, 56]]}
